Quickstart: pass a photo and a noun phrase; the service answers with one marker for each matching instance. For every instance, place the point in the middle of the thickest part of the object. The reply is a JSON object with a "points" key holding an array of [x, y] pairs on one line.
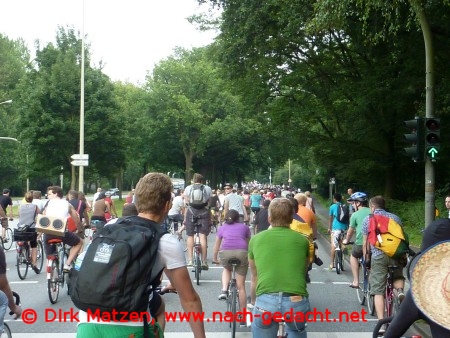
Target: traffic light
{"points": [[415, 139], [432, 138]]}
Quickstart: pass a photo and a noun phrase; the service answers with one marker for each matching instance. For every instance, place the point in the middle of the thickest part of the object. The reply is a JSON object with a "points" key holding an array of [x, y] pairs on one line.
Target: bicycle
{"points": [[94, 225], [23, 249], [197, 251], [7, 241], [339, 253], [233, 295], [6, 333], [55, 268], [391, 302], [363, 292]]}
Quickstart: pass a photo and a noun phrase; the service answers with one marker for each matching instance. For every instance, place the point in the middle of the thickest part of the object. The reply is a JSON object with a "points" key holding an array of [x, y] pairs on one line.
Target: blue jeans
{"points": [[3, 308], [264, 327]]}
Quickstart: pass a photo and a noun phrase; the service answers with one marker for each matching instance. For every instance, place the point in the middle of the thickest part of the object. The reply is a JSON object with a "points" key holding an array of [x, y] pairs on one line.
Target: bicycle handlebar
{"points": [[17, 297]]}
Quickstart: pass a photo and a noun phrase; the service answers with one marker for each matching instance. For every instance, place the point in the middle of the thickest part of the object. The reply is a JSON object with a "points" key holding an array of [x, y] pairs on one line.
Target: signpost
{"points": [[80, 160]]}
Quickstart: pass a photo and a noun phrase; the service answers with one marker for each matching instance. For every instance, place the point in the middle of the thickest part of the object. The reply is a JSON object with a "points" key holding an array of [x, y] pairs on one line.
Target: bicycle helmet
{"points": [[358, 196]]}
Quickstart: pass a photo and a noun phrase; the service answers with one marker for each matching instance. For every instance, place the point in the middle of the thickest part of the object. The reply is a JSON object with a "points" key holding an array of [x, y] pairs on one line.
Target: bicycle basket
{"points": [[24, 236]]}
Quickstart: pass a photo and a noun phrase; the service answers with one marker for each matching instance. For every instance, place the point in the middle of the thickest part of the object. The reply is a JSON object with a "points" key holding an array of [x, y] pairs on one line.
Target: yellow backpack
{"points": [[305, 230]]}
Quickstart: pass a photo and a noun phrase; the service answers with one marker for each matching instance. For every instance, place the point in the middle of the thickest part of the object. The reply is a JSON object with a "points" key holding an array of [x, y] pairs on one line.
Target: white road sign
{"points": [[80, 157], [79, 163]]}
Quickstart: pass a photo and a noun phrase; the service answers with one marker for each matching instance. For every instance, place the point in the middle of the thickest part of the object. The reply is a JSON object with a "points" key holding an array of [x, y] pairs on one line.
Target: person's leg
{"points": [[377, 280], [298, 304], [240, 282], [263, 326], [355, 271], [332, 249], [190, 247], [76, 244], [204, 243]]}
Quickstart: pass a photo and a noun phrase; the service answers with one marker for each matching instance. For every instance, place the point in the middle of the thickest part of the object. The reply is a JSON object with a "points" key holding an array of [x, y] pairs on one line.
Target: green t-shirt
{"points": [[356, 222], [280, 256]]}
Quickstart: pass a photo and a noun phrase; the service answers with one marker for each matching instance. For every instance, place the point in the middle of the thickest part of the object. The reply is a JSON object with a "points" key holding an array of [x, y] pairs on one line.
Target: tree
{"points": [[48, 117]]}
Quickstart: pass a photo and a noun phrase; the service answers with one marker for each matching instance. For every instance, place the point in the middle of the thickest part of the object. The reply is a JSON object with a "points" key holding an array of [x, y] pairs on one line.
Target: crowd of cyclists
{"points": [[243, 216]]}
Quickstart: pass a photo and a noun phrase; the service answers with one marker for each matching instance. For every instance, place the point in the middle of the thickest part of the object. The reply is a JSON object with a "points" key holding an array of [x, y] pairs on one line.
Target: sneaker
{"points": [[67, 267], [241, 321], [189, 264], [223, 295], [35, 269], [205, 266]]}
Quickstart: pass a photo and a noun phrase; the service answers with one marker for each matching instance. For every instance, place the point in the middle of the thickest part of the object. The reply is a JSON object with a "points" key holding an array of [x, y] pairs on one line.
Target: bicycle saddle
{"points": [[234, 261]]}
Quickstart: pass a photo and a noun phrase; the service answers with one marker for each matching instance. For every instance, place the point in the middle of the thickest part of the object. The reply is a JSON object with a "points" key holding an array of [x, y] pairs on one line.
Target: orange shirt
{"points": [[307, 215]]}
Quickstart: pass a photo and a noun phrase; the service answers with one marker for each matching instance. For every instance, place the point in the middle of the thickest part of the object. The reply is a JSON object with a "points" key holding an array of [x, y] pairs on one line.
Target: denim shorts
{"points": [[268, 304]]}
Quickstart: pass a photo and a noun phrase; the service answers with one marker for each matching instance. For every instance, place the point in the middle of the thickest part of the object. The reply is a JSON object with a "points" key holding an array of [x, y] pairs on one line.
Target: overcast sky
{"points": [[130, 36]]}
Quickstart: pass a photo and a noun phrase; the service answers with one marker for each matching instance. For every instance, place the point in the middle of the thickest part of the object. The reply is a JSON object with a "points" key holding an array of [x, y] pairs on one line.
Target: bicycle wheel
{"points": [[7, 242], [6, 333], [233, 296], [361, 292], [22, 262], [341, 260], [198, 267], [370, 301], [40, 256], [53, 283], [337, 265]]}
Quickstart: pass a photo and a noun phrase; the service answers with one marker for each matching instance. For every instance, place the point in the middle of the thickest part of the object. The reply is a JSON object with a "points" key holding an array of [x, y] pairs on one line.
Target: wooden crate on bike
{"points": [[51, 225], [23, 235]]}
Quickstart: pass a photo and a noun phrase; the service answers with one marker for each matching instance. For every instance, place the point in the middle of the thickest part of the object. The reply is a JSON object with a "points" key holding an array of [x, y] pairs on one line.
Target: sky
{"points": [[129, 37]]}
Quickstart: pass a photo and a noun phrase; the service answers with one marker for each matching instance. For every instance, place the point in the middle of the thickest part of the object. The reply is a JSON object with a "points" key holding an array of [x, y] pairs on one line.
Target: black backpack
{"points": [[343, 213], [196, 196], [116, 269]]}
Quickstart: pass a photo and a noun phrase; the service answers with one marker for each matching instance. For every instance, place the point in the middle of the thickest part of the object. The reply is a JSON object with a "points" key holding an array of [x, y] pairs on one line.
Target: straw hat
{"points": [[430, 283]]}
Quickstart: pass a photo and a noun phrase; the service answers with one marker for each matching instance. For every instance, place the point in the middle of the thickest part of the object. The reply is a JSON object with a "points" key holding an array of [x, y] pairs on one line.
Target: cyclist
{"points": [[204, 219], [380, 261], [6, 296], [5, 201], [234, 201], [176, 213], [232, 240], [255, 203], [275, 255], [335, 227], [436, 232], [60, 208], [359, 203], [27, 218]]}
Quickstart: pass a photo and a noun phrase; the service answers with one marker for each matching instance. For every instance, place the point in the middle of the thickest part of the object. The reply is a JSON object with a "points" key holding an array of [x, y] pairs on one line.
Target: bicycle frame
{"points": [[233, 294], [55, 266], [391, 302]]}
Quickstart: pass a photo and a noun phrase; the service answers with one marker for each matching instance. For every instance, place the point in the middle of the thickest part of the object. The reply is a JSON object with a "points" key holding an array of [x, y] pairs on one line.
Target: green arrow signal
{"points": [[433, 152]]}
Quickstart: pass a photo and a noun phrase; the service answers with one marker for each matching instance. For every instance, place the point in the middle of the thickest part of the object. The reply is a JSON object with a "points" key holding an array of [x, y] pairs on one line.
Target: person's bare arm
{"points": [[189, 299], [330, 223], [254, 281], [4, 286], [216, 249]]}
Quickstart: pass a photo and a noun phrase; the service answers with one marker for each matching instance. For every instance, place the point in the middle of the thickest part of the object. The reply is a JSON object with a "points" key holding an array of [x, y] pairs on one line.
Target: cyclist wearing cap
{"points": [[360, 205]]}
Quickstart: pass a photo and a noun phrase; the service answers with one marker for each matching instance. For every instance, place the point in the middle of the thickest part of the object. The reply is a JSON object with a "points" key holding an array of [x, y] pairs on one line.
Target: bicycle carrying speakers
{"points": [[50, 225]]}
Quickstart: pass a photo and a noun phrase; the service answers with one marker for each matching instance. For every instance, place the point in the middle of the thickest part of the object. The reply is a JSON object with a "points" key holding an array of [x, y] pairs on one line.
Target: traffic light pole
{"points": [[429, 104]]}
